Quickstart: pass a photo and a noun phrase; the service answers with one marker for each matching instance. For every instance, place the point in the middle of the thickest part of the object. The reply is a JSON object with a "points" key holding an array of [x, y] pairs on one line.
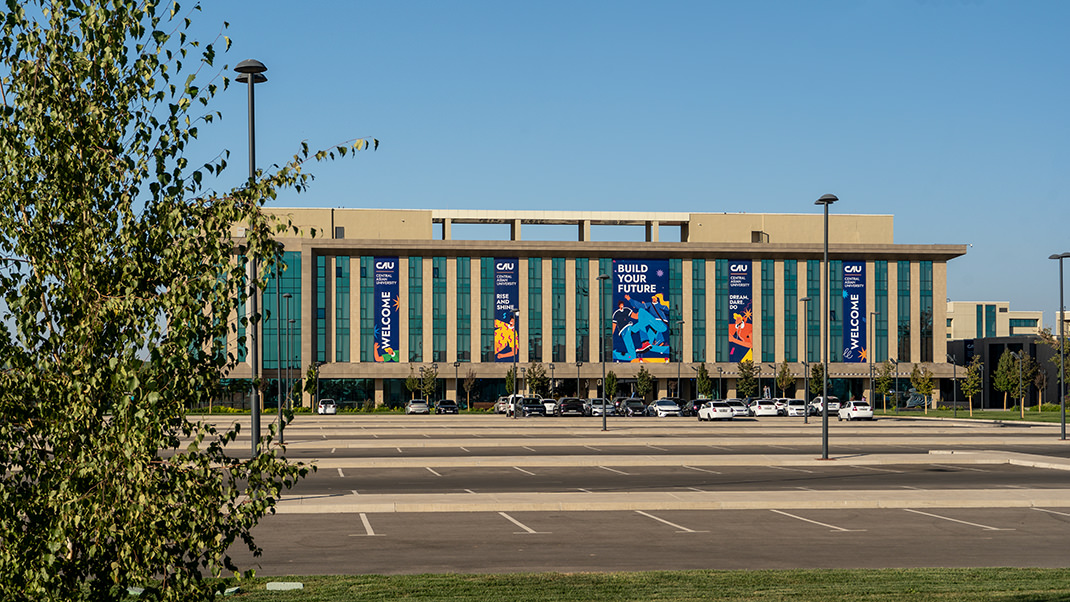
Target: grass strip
{"points": [[938, 584]]}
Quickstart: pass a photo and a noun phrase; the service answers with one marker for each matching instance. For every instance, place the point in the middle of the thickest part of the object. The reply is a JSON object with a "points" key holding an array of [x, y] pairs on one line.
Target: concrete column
{"points": [[515, 230], [781, 311], [940, 312], [380, 396], [915, 312], [522, 305], [308, 309], [547, 309], [428, 310], [477, 311], [652, 231], [893, 310], [585, 230], [447, 226], [711, 311], [451, 309]]}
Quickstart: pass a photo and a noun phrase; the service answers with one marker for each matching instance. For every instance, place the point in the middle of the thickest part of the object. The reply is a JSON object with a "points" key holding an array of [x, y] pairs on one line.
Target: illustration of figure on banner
{"points": [[740, 335], [645, 323], [505, 340], [389, 354]]}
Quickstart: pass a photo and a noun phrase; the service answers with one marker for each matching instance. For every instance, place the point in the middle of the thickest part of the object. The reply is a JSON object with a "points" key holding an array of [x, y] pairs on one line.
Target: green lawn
{"points": [[1031, 414], [1018, 585]]}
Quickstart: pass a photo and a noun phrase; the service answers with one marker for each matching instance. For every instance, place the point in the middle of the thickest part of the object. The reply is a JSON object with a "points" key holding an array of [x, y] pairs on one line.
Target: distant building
{"points": [[987, 319]]}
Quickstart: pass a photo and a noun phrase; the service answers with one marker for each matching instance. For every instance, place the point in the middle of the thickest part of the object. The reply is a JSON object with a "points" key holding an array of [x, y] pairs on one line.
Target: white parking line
{"points": [[369, 532], [959, 467], [592, 448], [673, 525], [465, 450], [613, 470], [696, 489], [657, 448], [354, 492], [527, 448], [955, 520], [332, 450], [804, 488], [340, 473], [521, 525], [702, 470], [806, 520], [791, 469], [432, 471], [912, 487], [881, 469], [399, 450], [1051, 511], [469, 491], [524, 471]]}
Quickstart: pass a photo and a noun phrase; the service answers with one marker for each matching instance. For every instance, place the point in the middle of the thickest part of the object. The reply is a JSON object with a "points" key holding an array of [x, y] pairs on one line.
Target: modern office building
{"points": [[976, 320], [377, 294]]}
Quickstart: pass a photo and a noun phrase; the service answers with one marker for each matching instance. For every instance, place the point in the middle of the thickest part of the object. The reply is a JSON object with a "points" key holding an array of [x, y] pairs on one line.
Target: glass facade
{"points": [[464, 309], [534, 309], [438, 309], [903, 309], [583, 309], [290, 283], [321, 308], [341, 309], [676, 310], [835, 311], [486, 309], [605, 266], [698, 310], [990, 321], [720, 325], [416, 309], [791, 311], [367, 309], [813, 311], [880, 305], [925, 269], [768, 277], [558, 300]]}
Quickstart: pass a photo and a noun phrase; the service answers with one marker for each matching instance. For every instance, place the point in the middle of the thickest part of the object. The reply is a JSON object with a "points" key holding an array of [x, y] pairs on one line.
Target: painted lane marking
{"points": [[592, 448], [613, 470], [702, 470], [354, 492], [912, 487], [469, 491], [432, 471], [696, 489], [806, 520], [524, 471], [804, 488], [369, 532], [1051, 511], [955, 520], [527, 448], [959, 467], [399, 450], [526, 528], [673, 525], [585, 490], [332, 450], [791, 469], [881, 469], [465, 450], [655, 447], [340, 473]]}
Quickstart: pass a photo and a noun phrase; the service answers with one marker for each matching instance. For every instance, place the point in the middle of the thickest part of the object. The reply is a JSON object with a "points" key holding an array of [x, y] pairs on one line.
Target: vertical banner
{"points": [[641, 310], [740, 312], [506, 299], [387, 300], [855, 347]]}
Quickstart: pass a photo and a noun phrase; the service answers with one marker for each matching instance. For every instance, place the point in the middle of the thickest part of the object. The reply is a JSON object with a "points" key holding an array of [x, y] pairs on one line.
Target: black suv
{"points": [[446, 406], [569, 405], [632, 406]]}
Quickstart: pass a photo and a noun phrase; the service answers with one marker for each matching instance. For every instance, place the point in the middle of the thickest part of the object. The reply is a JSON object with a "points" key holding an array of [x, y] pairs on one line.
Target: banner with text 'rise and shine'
{"points": [[506, 301]]}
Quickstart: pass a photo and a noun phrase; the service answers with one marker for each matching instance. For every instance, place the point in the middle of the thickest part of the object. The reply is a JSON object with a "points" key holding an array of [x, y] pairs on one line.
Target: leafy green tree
{"points": [[784, 379], [973, 383], [538, 381], [412, 383], [123, 272], [921, 378], [703, 382], [510, 380], [644, 382], [884, 382], [817, 371], [1047, 338], [747, 381], [610, 388], [429, 381], [1005, 378], [469, 384]]}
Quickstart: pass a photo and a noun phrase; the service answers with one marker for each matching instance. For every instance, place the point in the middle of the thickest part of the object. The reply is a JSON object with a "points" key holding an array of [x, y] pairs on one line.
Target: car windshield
{"points": [[719, 404]]}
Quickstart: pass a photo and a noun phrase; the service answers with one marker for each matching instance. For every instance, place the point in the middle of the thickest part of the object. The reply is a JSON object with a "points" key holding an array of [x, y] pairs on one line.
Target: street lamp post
{"points": [[954, 387], [251, 72], [578, 364], [872, 348], [720, 387], [456, 379], [1062, 348], [287, 296], [806, 393], [279, 364], [895, 363], [825, 201], [806, 358], [290, 380], [551, 366], [772, 367], [605, 340], [516, 357], [522, 371]]}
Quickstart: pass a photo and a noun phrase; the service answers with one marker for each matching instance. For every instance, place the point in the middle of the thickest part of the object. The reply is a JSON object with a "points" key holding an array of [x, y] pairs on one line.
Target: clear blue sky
{"points": [[951, 115]]}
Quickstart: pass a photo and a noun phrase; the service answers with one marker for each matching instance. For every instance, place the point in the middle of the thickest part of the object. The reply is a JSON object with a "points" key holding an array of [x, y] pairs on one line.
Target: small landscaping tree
{"points": [[469, 384], [921, 379], [644, 383], [703, 382], [412, 383], [785, 379], [1005, 379], [973, 382], [428, 381], [538, 381], [883, 384], [747, 381], [610, 388]]}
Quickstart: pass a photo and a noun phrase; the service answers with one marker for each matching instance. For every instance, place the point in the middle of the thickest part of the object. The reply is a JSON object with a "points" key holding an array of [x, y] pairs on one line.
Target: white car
{"points": [[781, 405], [834, 405], [662, 408], [594, 407], [739, 409], [765, 407], [502, 405], [855, 410], [327, 406], [418, 406], [550, 404], [715, 410], [796, 407]]}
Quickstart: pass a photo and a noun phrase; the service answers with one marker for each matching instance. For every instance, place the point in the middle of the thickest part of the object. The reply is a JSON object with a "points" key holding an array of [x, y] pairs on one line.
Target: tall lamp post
{"points": [[1062, 348], [872, 348], [772, 378], [456, 379], [895, 363], [954, 387], [680, 358], [251, 72], [806, 394], [551, 367], [806, 359], [605, 340], [720, 388], [825, 201], [578, 365], [516, 358]]}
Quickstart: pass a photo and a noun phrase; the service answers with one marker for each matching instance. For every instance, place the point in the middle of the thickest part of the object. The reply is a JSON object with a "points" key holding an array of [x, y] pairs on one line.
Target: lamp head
{"points": [[250, 66], [826, 199]]}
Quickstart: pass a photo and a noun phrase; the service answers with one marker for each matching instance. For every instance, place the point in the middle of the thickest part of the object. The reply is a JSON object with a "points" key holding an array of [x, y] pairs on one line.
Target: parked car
{"points": [[418, 406], [797, 407], [834, 405], [855, 410], [550, 404], [529, 406], [739, 408], [593, 407], [631, 406], [662, 408], [502, 405], [327, 406], [511, 403], [569, 406], [690, 408], [446, 406], [715, 410], [765, 407], [781, 405]]}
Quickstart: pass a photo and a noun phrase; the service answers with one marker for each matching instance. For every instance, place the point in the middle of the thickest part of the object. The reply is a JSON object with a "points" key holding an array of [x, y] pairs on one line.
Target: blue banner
{"points": [[740, 312], [387, 309], [855, 349], [641, 310], [506, 300]]}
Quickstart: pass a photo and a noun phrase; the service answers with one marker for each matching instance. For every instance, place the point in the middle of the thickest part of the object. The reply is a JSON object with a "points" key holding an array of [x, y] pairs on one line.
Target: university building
{"points": [[377, 294]]}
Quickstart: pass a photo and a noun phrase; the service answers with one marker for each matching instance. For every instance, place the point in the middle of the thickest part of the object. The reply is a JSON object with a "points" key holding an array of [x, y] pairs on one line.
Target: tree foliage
{"points": [[412, 382], [609, 391], [538, 381], [1005, 379], [119, 278], [785, 380], [644, 382], [429, 381], [747, 381], [884, 382], [973, 383], [510, 380], [703, 383], [469, 384]]}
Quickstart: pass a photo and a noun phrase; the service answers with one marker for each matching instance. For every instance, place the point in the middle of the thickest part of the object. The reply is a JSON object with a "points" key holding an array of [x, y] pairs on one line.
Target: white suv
{"points": [[834, 404], [326, 406]]}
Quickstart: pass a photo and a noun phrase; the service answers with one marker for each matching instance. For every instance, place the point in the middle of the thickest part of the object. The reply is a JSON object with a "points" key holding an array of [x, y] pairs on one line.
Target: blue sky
{"points": [[950, 115]]}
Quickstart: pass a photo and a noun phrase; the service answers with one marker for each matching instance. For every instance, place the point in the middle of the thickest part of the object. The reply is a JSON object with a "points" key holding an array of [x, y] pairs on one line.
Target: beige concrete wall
{"points": [[790, 228], [374, 224]]}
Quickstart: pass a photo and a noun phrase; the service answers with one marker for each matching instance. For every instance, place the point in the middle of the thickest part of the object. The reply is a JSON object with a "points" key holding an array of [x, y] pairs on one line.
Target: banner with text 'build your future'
{"points": [[640, 310], [387, 304]]}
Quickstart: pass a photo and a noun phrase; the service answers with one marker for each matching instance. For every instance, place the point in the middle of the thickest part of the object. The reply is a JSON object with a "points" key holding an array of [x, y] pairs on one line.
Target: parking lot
{"points": [[406, 494]]}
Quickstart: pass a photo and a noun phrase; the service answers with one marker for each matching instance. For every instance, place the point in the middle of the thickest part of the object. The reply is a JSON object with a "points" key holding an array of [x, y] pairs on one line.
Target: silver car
{"points": [[417, 406]]}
